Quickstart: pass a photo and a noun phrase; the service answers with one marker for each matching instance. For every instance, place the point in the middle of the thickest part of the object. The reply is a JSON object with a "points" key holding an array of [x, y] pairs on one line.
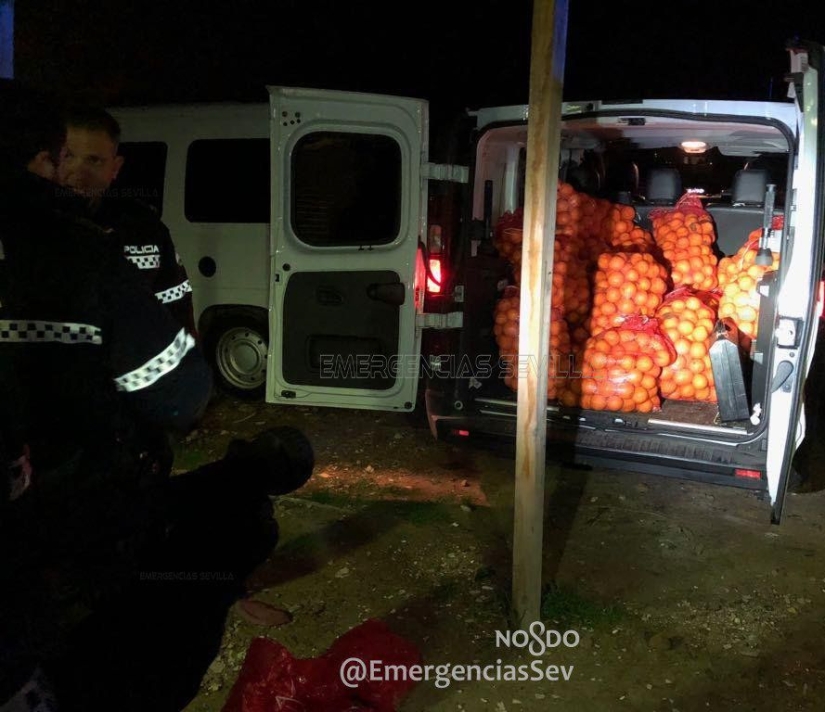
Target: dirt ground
{"points": [[684, 596]]}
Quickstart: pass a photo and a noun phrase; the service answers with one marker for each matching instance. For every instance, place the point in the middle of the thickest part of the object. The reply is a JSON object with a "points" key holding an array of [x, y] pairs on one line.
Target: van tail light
{"points": [[748, 474], [821, 299], [434, 276], [435, 272]]}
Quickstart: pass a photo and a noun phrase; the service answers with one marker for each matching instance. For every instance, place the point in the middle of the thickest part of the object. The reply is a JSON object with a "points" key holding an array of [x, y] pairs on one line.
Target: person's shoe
{"points": [[281, 457]]}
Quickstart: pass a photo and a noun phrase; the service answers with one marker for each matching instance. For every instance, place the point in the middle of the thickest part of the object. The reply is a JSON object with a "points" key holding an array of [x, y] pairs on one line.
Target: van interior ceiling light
{"points": [[694, 146]]}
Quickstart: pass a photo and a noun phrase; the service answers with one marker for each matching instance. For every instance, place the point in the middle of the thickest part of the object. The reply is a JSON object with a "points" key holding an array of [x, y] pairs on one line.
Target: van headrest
{"points": [[584, 179], [621, 176], [664, 186], [749, 187]]}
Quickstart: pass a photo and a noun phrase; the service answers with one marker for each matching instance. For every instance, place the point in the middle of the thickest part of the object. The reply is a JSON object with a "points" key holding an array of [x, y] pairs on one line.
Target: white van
{"points": [[205, 169], [351, 271]]}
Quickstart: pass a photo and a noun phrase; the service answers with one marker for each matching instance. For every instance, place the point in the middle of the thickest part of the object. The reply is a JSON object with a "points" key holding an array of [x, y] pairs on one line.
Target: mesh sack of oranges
{"points": [[622, 365], [568, 210], [685, 235], [626, 284], [507, 236], [591, 240], [571, 285], [739, 278], [506, 320], [508, 233], [558, 367], [621, 233], [688, 317]]}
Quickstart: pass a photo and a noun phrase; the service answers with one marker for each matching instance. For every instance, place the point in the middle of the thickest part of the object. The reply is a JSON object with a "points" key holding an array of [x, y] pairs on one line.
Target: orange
{"points": [[616, 263], [686, 392], [699, 381], [747, 313], [697, 350], [697, 365], [614, 403], [613, 294], [616, 279], [682, 376]]}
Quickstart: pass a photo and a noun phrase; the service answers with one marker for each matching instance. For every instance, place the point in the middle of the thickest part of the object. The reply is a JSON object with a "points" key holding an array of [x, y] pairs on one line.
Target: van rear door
{"points": [[800, 270], [348, 207]]}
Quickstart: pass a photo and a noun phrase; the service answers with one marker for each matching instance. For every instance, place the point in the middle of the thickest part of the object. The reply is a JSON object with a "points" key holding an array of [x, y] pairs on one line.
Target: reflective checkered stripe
{"points": [[144, 261], [157, 366], [49, 332], [174, 293]]}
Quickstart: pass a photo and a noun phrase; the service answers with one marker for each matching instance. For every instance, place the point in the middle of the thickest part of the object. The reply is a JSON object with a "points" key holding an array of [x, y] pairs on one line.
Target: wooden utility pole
{"points": [[543, 130]]}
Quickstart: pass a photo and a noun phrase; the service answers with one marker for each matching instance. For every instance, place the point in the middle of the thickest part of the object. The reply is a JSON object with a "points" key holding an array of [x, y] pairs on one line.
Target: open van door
{"points": [[800, 270], [348, 206]]}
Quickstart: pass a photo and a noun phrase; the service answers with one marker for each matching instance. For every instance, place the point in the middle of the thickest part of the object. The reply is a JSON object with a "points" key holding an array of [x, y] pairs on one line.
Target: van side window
{"points": [[346, 189], [143, 174], [227, 181]]}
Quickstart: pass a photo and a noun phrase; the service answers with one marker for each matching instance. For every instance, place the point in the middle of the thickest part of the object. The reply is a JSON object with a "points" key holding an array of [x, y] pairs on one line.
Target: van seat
{"points": [[745, 213], [662, 189], [621, 181]]}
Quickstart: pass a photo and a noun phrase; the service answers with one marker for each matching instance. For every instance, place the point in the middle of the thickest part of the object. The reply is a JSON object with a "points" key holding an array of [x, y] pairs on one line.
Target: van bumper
{"points": [[570, 444]]}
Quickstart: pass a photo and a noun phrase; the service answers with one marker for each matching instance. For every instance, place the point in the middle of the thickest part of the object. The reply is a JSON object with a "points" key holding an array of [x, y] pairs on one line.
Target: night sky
{"points": [[456, 54]]}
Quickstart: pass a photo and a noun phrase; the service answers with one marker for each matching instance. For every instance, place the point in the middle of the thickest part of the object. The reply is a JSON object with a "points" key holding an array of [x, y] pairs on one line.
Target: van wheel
{"points": [[236, 346]]}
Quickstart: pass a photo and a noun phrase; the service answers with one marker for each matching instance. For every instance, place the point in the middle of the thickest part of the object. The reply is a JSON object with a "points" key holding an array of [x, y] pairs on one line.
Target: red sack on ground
{"points": [[273, 680]]}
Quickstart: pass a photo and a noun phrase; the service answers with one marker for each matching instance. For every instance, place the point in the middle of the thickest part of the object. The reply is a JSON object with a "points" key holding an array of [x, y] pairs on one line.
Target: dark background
{"points": [[455, 54]]}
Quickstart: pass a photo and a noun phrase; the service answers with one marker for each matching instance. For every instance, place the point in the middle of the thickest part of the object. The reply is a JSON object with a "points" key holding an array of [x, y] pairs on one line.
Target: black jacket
{"points": [[91, 344], [147, 244], [88, 356]]}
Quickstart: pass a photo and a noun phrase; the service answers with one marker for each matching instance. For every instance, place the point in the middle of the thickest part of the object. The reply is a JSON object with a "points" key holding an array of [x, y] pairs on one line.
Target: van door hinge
{"points": [[443, 171], [452, 320]]}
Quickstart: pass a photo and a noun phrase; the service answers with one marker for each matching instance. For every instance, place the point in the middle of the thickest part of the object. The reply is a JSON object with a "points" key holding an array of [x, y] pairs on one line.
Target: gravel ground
{"points": [[684, 597]]}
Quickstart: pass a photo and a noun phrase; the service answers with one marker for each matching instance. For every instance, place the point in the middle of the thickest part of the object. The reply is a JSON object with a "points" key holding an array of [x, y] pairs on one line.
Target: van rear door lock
{"points": [[788, 332]]}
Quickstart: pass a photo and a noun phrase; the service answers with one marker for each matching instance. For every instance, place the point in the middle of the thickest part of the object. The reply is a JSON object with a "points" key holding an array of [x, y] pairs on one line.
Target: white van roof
{"points": [[780, 111]]}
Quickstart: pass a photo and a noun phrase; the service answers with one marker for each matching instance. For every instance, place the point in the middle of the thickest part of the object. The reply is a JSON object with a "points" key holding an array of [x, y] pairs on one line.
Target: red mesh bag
{"points": [[685, 235], [625, 284], [507, 235], [688, 318], [739, 278], [622, 365], [273, 680]]}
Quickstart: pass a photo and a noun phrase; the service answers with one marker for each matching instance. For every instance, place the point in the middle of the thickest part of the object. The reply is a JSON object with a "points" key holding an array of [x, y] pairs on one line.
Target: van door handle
{"points": [[329, 297], [393, 293], [783, 372]]}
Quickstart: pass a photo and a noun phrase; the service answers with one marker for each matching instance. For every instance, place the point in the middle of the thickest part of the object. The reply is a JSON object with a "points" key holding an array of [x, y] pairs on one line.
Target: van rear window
{"points": [[227, 181], [346, 189], [143, 174]]}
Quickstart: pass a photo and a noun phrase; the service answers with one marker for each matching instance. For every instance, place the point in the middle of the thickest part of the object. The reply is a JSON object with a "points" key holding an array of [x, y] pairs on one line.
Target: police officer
{"points": [[90, 166], [90, 528]]}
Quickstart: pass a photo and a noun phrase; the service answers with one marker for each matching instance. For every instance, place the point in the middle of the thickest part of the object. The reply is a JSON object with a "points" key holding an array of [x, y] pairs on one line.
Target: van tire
{"points": [[236, 345]]}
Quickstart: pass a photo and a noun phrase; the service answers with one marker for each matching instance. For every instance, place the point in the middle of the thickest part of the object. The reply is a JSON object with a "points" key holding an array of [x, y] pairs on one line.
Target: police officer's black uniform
{"points": [[86, 353], [147, 244], [114, 579]]}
